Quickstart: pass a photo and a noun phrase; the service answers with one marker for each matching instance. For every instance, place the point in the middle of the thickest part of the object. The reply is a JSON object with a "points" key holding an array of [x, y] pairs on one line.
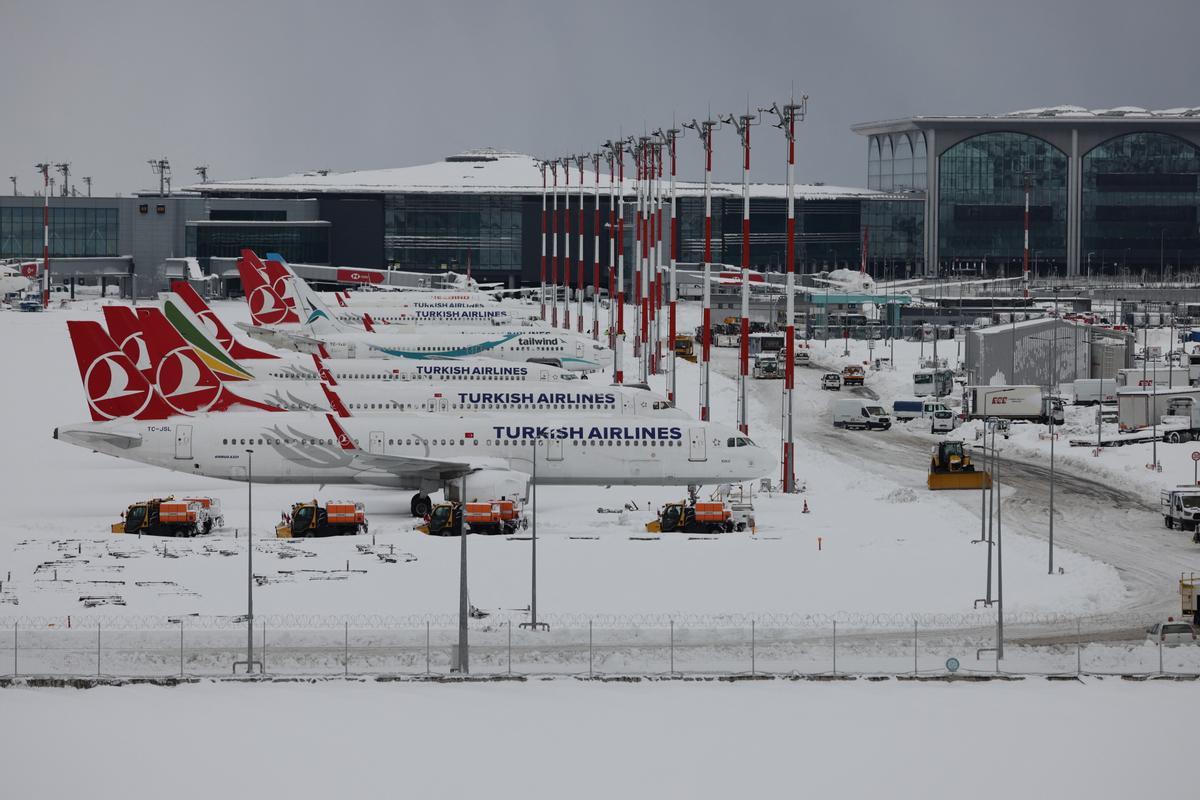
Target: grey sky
{"points": [[266, 88]]}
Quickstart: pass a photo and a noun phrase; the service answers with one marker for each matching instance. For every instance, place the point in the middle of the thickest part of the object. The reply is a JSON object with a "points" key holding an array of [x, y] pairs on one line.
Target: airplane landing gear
{"points": [[420, 505]]}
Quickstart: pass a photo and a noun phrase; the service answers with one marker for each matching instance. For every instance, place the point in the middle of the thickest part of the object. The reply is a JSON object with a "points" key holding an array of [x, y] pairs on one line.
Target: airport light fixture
{"points": [[249, 662], [704, 131], [533, 623], [44, 168]]}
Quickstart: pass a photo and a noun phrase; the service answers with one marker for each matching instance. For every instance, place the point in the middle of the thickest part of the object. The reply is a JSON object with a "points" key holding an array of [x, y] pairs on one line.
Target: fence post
{"points": [[263, 668], [1160, 669], [915, 670], [672, 648], [98, 650], [14, 649], [426, 647], [181, 647], [752, 670], [591, 673], [1079, 644], [346, 650], [510, 647], [835, 648]]}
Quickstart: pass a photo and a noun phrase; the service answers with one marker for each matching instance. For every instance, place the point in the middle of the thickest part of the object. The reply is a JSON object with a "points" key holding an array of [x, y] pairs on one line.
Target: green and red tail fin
{"points": [[189, 326], [217, 329]]}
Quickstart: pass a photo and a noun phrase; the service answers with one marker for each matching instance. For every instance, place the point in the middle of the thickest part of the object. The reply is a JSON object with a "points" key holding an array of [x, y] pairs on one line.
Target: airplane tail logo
{"points": [[266, 306], [343, 439], [216, 329], [114, 387], [210, 352], [123, 328]]}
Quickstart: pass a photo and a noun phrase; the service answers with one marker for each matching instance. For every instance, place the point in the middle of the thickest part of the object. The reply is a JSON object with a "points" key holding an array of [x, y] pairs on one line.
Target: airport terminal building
{"points": [[1113, 190]]}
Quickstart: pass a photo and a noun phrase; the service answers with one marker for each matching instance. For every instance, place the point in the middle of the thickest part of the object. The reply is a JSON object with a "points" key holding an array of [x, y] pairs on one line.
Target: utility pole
{"points": [[786, 119], [554, 247], [44, 168], [202, 171], [87, 180], [464, 597], [742, 125], [704, 130], [542, 294], [533, 623], [162, 168], [1025, 263]]}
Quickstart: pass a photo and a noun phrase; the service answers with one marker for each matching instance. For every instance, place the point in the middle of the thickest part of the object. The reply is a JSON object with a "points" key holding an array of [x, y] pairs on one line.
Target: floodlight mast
{"points": [[671, 136], [579, 160], [635, 152], [44, 168], [786, 119], [656, 308], [566, 320], [64, 169], [596, 250], [704, 131], [619, 351], [645, 169], [742, 125], [542, 295], [610, 157], [554, 247]]}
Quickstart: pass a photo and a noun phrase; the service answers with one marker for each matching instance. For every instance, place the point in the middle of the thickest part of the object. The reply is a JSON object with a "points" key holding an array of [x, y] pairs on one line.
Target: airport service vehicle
{"points": [[853, 412], [1171, 632], [168, 516], [1162, 377], [933, 382], [801, 357], [943, 421], [693, 517], [685, 347], [495, 518], [478, 456], [831, 381], [766, 342], [905, 409], [853, 375], [766, 365], [1093, 391], [1180, 507], [1189, 594], [310, 518], [950, 467], [1012, 403]]}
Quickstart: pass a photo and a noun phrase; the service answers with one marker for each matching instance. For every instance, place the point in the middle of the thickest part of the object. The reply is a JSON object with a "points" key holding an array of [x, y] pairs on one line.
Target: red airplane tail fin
{"points": [[114, 387], [197, 305]]}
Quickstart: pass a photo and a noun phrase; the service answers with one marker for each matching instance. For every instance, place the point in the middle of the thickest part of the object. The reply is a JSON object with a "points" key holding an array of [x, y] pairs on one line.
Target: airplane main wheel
{"points": [[421, 505]]}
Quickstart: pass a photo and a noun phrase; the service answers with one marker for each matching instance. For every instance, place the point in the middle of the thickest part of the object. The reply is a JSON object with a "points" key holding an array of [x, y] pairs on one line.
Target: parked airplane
{"points": [[482, 456]]}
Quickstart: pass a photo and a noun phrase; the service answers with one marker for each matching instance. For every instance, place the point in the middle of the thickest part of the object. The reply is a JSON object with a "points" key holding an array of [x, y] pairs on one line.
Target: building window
{"points": [[74, 232], [301, 243], [436, 232]]}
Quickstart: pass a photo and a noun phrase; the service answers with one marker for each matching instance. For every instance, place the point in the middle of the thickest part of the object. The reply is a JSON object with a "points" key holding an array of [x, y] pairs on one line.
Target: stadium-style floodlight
{"points": [[64, 169]]}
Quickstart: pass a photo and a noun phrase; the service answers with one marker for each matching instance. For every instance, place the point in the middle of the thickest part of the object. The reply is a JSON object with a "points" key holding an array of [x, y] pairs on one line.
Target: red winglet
{"points": [[335, 402], [321, 349], [343, 439], [341, 302], [323, 371], [368, 323], [114, 387]]}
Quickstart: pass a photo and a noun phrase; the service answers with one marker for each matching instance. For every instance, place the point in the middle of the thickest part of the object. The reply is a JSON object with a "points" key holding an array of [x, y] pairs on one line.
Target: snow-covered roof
{"points": [[1049, 114], [490, 171]]}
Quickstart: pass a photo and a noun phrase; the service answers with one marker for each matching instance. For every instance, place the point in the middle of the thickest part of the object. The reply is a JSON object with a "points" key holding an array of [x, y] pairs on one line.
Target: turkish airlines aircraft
{"points": [[482, 456], [151, 343], [315, 367]]}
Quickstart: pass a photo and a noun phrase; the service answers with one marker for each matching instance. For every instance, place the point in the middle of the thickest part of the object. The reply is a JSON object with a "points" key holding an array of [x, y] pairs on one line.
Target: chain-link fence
{"points": [[663, 645]]}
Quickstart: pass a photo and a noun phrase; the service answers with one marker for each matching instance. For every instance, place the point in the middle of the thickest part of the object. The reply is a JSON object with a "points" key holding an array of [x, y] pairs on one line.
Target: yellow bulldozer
{"points": [[950, 467]]}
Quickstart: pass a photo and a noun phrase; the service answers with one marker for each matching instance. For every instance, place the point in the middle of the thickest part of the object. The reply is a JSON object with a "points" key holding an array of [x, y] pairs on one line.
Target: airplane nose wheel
{"points": [[420, 505]]}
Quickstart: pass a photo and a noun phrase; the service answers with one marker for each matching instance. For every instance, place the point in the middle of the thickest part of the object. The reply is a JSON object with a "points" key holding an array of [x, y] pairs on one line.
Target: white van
{"points": [[854, 412]]}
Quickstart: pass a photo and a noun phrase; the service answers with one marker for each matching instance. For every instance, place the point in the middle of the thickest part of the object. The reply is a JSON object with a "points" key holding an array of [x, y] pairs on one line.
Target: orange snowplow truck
{"points": [[166, 516], [494, 518], [711, 517], [853, 375], [335, 518]]}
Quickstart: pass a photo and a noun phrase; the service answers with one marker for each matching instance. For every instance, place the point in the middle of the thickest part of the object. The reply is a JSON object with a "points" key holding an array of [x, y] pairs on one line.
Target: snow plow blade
{"points": [[654, 527], [959, 480]]}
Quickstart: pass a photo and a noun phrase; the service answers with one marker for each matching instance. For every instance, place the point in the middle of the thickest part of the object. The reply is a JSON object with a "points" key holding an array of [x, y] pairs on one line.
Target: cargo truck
{"points": [[1012, 403]]}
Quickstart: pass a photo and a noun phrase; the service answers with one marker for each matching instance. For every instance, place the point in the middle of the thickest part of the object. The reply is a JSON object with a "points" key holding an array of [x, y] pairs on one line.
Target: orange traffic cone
{"points": [[805, 511]]}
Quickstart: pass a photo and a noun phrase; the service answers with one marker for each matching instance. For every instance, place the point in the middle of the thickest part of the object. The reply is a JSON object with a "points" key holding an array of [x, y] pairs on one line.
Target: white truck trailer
{"points": [[1012, 403]]}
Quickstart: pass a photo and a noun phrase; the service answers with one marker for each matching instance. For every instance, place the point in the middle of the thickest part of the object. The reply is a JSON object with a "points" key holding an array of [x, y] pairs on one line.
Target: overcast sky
{"points": [[272, 87]]}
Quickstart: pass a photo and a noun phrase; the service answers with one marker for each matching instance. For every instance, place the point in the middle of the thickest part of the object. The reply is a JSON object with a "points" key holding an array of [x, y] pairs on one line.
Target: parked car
{"points": [[943, 421], [1172, 632], [831, 381]]}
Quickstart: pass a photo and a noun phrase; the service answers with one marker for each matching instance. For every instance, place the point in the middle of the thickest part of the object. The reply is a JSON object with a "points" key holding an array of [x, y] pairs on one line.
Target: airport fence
{"points": [[581, 645]]}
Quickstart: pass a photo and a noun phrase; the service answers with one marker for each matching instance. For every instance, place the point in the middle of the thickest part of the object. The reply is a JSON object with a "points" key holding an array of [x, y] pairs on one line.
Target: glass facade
{"points": [[895, 235], [74, 232], [982, 201], [1140, 198], [897, 162], [304, 243], [691, 228], [248, 214], [436, 231]]}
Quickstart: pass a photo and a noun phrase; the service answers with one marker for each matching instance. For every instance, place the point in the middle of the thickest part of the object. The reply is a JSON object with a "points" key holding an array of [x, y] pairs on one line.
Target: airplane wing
{"points": [[124, 441], [413, 466]]}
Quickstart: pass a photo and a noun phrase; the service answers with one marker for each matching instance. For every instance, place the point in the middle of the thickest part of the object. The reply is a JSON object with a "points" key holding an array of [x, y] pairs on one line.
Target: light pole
{"points": [[1052, 382], [1089, 266], [249, 662], [533, 623], [464, 601]]}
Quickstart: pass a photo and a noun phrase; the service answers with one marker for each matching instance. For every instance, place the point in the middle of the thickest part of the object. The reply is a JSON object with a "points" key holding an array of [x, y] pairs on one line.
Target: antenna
{"points": [[202, 171], [64, 169], [162, 168], [13, 178], [87, 179]]}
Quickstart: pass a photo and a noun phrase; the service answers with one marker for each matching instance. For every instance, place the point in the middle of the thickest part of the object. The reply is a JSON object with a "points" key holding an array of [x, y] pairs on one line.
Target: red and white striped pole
{"points": [[644, 327], [579, 275], [656, 311], [596, 252], [610, 156], [704, 130], [672, 137], [566, 162], [742, 124], [554, 248], [45, 170], [542, 296], [619, 350], [635, 151]]}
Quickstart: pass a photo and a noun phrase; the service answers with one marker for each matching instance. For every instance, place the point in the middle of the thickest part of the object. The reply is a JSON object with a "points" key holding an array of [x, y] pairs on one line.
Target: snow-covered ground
{"points": [[1099, 739], [870, 544]]}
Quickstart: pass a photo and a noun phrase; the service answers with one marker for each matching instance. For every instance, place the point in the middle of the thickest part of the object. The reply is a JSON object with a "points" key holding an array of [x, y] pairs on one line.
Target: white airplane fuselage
{"points": [[292, 367], [302, 448]]}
